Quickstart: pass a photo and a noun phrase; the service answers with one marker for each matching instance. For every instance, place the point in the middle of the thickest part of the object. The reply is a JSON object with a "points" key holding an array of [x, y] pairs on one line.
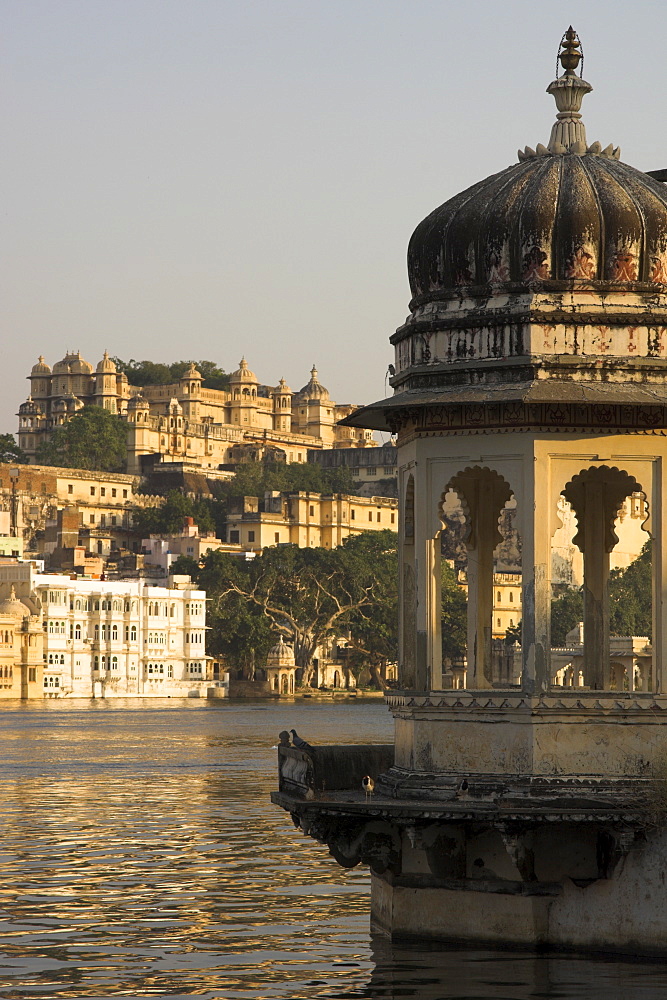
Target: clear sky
{"points": [[212, 178]]}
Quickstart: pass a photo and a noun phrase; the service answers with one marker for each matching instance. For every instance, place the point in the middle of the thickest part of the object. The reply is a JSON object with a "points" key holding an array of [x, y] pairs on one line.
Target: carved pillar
{"points": [[596, 496], [536, 528], [434, 612], [484, 494]]}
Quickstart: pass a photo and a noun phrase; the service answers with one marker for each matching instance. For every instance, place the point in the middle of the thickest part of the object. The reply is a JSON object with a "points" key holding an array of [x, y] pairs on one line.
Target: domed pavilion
{"points": [[531, 370]]}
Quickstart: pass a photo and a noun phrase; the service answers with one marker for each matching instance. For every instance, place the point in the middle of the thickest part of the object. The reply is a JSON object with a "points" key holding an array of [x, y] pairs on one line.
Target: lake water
{"points": [[140, 857]]}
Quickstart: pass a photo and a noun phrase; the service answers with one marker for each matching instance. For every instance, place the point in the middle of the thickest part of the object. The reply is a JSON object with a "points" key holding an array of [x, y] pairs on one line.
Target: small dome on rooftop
{"points": [[106, 365], [41, 368], [243, 373], [12, 606], [314, 389]]}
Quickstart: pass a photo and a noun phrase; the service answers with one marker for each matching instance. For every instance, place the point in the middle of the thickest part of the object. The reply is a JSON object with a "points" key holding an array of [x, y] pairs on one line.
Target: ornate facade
{"points": [[186, 422]]}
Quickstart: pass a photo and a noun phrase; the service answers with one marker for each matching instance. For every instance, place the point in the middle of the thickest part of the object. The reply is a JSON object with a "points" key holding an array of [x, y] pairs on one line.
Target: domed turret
{"points": [[72, 364], [11, 606], [41, 368], [567, 212], [30, 408], [280, 655], [243, 373], [191, 372], [106, 366], [138, 402], [314, 388]]}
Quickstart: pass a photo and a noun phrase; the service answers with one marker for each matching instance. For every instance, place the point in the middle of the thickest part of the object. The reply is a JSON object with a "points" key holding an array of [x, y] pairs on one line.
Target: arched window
{"points": [[114, 663], [500, 597], [97, 632], [77, 632], [77, 605], [511, 597], [114, 632], [133, 634]]}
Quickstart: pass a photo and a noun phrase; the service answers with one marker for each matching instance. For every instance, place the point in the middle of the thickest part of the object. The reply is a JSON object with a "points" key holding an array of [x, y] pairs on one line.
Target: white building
{"points": [[118, 639]]}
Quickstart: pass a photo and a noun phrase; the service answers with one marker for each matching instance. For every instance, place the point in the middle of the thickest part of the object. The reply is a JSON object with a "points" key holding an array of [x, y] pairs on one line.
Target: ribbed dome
{"points": [[106, 365], [553, 217], [41, 368], [72, 364], [280, 655], [138, 402], [30, 408], [243, 373], [12, 606], [566, 212], [314, 389]]}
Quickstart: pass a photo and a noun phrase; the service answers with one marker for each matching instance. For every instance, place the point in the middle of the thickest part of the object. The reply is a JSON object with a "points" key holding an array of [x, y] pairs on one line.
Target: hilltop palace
{"points": [[184, 422]]}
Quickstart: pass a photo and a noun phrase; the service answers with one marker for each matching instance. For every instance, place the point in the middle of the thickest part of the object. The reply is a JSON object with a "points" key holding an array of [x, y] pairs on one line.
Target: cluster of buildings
{"points": [[63, 636], [185, 422]]}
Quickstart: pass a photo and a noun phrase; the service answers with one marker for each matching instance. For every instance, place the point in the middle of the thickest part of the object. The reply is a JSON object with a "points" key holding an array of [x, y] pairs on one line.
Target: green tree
{"points": [[631, 597], [158, 373], [307, 595], [567, 610], [630, 602], [9, 450], [454, 615], [93, 439], [374, 628], [169, 517]]}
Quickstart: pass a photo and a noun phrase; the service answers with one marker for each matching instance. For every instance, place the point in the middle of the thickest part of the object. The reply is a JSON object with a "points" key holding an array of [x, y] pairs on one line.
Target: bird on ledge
{"points": [[298, 742], [368, 785]]}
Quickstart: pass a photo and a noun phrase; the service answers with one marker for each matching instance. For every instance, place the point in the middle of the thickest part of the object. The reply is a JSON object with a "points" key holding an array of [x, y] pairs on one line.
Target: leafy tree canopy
{"points": [[256, 478], [454, 615], [169, 518], [307, 595], [9, 450], [630, 602], [93, 439], [157, 373]]}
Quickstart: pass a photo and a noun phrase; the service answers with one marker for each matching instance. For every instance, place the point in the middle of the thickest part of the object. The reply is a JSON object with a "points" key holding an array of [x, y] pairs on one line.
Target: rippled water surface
{"points": [[140, 857]]}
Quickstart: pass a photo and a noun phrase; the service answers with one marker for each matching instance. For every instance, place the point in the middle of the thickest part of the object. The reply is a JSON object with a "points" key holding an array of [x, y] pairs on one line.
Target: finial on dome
{"points": [[568, 134], [313, 372]]}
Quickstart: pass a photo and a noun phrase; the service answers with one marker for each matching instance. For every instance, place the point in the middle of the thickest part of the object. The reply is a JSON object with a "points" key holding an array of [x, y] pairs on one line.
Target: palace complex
{"points": [[183, 421]]}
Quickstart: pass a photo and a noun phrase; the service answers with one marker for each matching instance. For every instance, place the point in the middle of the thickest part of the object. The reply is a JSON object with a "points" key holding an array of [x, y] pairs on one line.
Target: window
{"points": [[114, 631], [388, 470], [511, 597], [170, 670], [251, 536], [393, 518], [370, 515], [92, 519], [355, 471], [312, 510], [77, 632], [32, 673], [353, 515], [97, 632], [371, 471], [499, 597], [276, 537], [379, 515], [92, 491], [113, 518], [70, 488], [133, 634], [234, 537], [498, 620], [124, 494], [103, 492], [113, 493], [114, 663]]}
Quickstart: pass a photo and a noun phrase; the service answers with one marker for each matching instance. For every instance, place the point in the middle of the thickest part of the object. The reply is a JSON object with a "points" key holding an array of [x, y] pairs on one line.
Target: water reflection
{"points": [[140, 857]]}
